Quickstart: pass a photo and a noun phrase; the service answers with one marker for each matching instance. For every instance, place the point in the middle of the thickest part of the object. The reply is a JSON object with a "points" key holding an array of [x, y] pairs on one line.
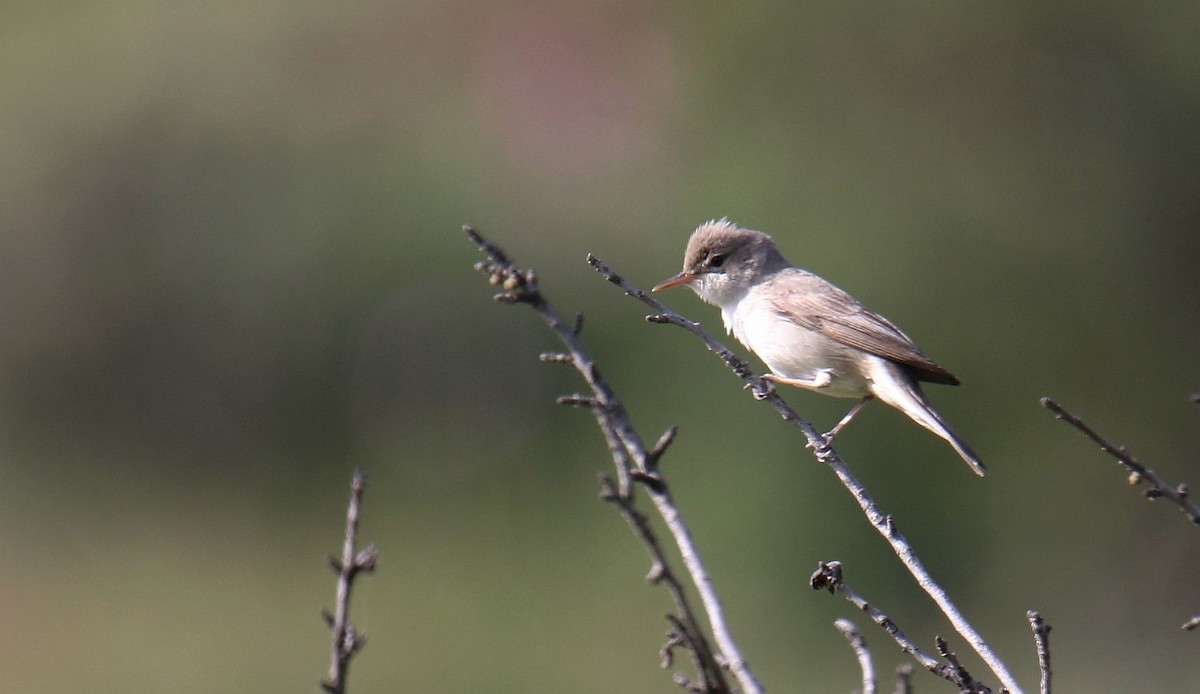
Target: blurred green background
{"points": [[231, 270]]}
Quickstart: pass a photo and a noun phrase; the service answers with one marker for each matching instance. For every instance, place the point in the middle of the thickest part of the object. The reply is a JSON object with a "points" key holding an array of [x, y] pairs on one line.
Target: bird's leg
{"points": [[822, 379], [828, 436]]}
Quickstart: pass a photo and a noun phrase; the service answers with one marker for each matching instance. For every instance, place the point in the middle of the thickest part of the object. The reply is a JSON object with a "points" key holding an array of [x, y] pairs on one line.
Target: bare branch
{"points": [[1041, 640], [634, 462], [859, 644], [883, 523], [346, 641], [685, 629], [829, 576], [1138, 472]]}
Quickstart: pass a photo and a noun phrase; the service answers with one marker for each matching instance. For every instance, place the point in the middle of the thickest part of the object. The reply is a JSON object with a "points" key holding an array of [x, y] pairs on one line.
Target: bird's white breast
{"points": [[789, 349]]}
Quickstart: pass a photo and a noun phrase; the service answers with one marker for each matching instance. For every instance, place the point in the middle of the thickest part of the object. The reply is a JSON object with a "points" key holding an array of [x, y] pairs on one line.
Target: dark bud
{"points": [[828, 575]]}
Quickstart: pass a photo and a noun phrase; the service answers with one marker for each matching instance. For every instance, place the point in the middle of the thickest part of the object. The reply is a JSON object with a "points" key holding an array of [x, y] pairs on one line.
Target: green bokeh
{"points": [[231, 271]]}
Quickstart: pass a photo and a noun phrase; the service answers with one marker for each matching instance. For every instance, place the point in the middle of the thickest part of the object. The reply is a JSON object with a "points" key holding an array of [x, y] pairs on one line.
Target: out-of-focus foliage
{"points": [[231, 271]]}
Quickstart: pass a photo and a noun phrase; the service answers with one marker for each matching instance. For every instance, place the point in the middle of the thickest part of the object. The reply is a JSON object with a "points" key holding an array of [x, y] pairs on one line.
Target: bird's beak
{"points": [[682, 278]]}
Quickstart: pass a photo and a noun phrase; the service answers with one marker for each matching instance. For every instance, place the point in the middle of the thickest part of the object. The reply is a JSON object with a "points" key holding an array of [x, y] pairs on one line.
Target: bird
{"points": [[810, 333]]}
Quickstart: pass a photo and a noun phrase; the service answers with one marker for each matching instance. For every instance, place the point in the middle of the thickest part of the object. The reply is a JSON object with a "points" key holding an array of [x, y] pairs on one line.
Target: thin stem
{"points": [[345, 640], [861, 652], [1159, 487], [829, 576], [1041, 640]]}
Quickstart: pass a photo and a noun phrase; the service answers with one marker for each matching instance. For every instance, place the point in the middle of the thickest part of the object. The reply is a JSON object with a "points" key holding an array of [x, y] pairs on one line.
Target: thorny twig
{"points": [[634, 462], [346, 641], [829, 576], [882, 522]]}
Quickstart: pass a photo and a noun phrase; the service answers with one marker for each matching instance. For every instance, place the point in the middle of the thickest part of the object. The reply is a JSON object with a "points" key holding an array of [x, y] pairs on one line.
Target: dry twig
{"points": [[346, 641], [1041, 640], [1138, 472], [859, 644], [634, 462], [829, 576]]}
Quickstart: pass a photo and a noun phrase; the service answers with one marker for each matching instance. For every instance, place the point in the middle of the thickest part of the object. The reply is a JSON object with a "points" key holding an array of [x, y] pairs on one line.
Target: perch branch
{"points": [[859, 645], [829, 576], [634, 462], [346, 641], [1138, 472], [882, 522]]}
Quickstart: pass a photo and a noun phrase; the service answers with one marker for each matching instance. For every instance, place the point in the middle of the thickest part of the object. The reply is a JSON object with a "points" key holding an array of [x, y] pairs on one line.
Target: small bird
{"points": [[810, 333]]}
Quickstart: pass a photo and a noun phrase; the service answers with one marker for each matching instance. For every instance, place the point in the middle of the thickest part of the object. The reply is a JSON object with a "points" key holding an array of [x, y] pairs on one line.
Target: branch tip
{"points": [[664, 442], [576, 400], [859, 645], [828, 575], [1041, 641]]}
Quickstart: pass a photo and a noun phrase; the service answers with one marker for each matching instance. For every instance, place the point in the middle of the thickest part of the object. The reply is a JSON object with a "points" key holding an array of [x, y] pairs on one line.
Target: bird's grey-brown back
{"points": [[801, 297]]}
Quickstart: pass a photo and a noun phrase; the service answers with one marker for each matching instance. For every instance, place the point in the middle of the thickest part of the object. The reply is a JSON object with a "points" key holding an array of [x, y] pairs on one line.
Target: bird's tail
{"points": [[902, 392]]}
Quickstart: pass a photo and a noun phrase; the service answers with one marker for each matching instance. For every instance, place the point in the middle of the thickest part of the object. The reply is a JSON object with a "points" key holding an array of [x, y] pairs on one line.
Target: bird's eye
{"points": [[716, 260]]}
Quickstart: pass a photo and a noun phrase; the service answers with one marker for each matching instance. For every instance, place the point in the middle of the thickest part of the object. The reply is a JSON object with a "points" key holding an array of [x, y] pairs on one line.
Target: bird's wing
{"points": [[818, 305]]}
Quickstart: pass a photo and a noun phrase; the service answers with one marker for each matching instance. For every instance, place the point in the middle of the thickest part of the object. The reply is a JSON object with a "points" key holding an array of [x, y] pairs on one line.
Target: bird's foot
{"points": [[820, 446], [761, 388]]}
